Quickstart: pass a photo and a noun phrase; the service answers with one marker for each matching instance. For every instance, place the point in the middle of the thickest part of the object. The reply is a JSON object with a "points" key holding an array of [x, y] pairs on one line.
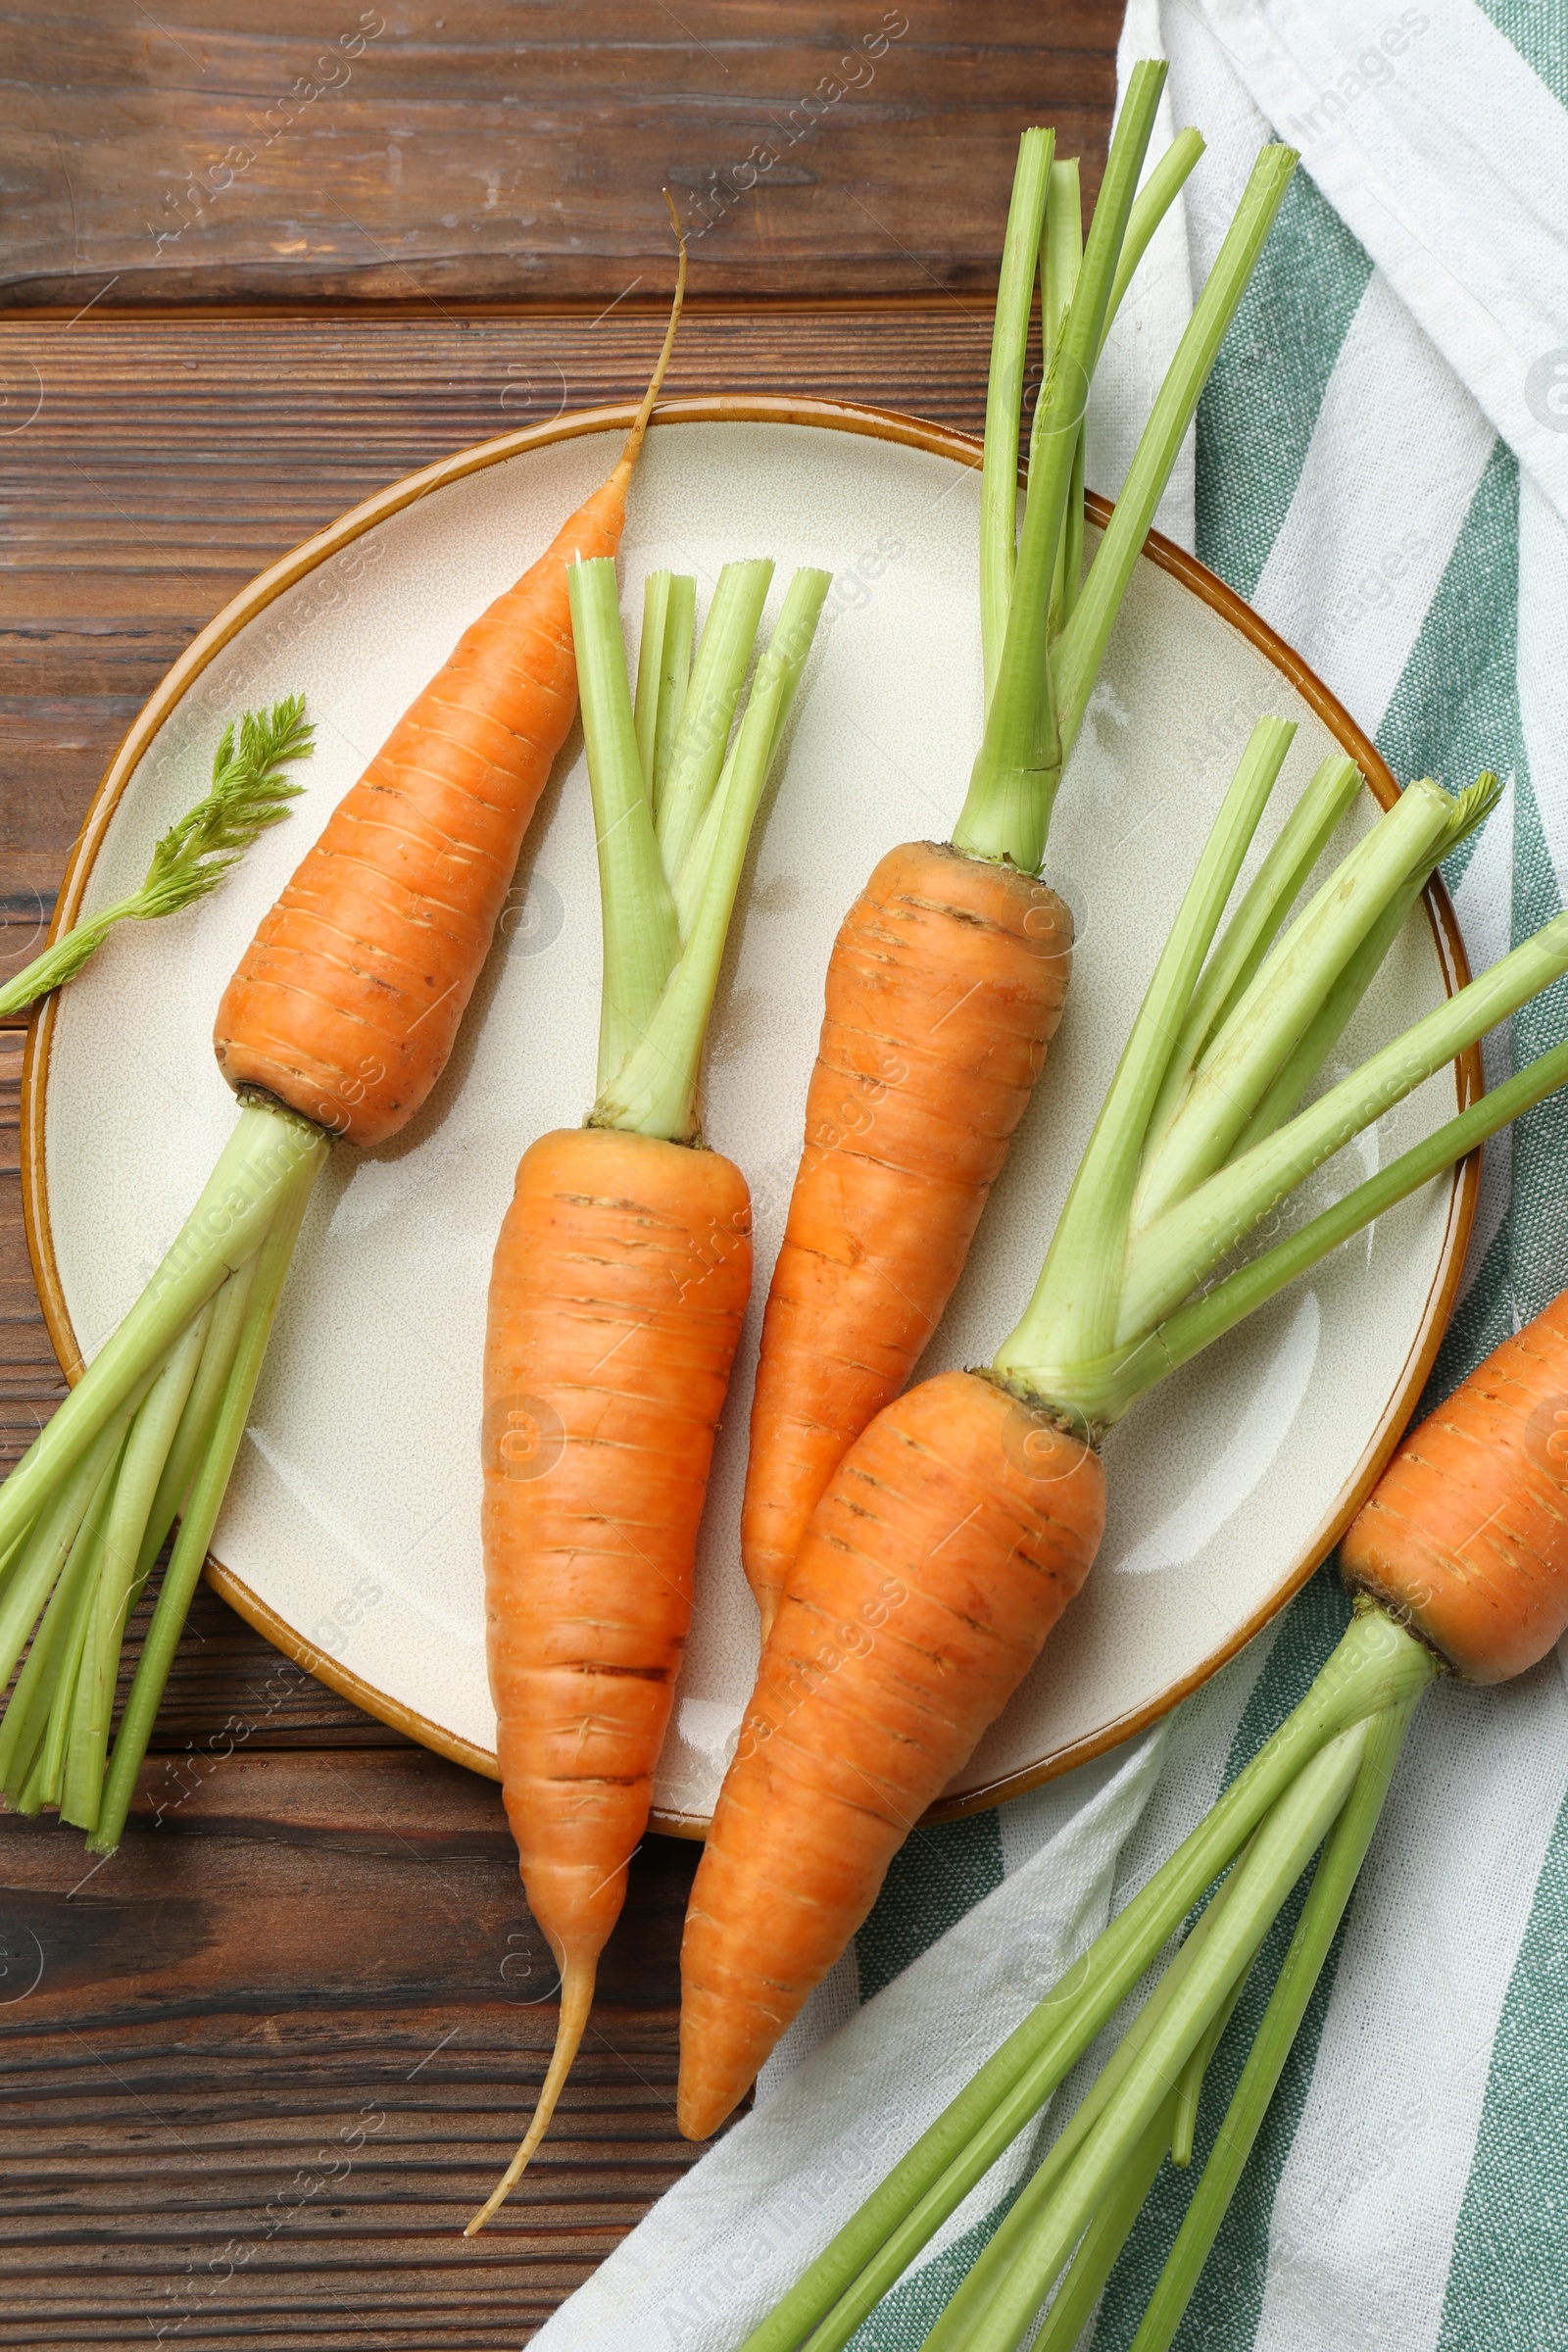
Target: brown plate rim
{"points": [[884, 425]]}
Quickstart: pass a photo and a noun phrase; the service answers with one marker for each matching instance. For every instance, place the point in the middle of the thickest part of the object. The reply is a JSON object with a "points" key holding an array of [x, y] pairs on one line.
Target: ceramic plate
{"points": [[351, 1534]]}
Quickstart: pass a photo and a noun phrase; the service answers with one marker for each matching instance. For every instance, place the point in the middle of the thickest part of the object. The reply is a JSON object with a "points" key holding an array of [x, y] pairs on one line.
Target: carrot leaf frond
{"points": [[251, 788]]}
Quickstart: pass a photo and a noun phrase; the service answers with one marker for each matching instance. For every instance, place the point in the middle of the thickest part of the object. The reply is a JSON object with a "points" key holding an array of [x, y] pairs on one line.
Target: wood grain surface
{"points": [[218, 150], [255, 2069]]}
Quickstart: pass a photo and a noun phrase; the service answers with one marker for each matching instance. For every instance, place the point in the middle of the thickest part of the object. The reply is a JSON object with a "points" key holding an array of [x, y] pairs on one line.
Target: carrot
{"points": [[860, 1720], [946, 984], [1457, 1563], [337, 1024], [886, 1661], [622, 1275], [347, 1001], [619, 1283], [947, 981], [1465, 1538]]}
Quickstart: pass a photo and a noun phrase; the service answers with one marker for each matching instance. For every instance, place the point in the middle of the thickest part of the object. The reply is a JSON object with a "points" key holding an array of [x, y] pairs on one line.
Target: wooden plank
{"points": [[257, 2069], [218, 153]]}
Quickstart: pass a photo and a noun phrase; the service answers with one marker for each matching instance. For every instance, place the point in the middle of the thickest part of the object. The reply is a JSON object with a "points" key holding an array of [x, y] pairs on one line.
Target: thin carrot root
{"points": [[944, 988], [639, 427], [576, 2000], [959, 1527]]}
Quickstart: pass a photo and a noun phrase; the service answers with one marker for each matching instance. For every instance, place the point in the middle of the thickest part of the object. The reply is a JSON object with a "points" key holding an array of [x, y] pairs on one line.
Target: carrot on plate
{"points": [[1458, 1562], [947, 981], [962, 1521], [622, 1274], [336, 1025]]}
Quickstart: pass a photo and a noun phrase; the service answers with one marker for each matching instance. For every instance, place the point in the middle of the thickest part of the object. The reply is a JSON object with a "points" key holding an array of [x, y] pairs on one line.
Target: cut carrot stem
{"points": [[200, 1514], [618, 1286], [708, 707], [199, 1418], [1085, 2277], [223, 1229], [656, 1090], [152, 1432], [663, 668], [1333, 1884], [44, 1549], [1087, 633], [1155, 197], [1375, 1666], [23, 1732], [1009, 340], [1004, 2287]]}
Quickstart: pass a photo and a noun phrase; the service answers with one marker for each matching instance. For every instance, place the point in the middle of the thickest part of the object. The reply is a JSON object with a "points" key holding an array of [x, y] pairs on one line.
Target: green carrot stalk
{"points": [[84, 1752], [1087, 632], [1375, 1666], [1155, 197], [670, 889], [1254, 1042], [999, 473], [44, 1548], [1333, 1884], [663, 668], [1015, 2269], [638, 951], [1084, 2279], [234, 1211], [251, 790], [656, 1090], [1040, 690], [1151, 1215], [1190, 2088], [1253, 928], [1008, 809], [199, 1418], [708, 707], [55, 1645], [1062, 259], [199, 1515]]}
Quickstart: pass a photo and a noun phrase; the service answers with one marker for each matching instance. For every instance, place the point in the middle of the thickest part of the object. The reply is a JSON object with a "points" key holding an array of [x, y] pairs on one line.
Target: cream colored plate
{"points": [[351, 1533]]}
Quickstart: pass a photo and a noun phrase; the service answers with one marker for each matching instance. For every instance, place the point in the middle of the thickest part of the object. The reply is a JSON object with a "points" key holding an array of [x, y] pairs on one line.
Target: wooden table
{"points": [[258, 261]]}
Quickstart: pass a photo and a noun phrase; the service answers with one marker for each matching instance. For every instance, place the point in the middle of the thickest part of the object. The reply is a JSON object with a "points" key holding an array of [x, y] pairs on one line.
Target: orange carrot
{"points": [[337, 1023], [619, 1283], [347, 1001], [947, 981], [621, 1276], [913, 1612], [945, 987], [1465, 1538]]}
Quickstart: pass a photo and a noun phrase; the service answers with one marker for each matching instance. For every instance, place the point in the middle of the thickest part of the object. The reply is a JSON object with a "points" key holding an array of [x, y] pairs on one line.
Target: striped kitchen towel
{"points": [[1380, 466]]}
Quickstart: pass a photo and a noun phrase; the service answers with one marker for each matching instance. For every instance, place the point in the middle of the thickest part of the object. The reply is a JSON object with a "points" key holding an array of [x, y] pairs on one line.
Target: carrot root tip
{"points": [[576, 1999]]}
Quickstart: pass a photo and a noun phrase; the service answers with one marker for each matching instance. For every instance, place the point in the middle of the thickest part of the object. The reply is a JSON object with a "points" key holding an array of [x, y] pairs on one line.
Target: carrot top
{"points": [[674, 803], [1043, 633], [1200, 1136]]}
